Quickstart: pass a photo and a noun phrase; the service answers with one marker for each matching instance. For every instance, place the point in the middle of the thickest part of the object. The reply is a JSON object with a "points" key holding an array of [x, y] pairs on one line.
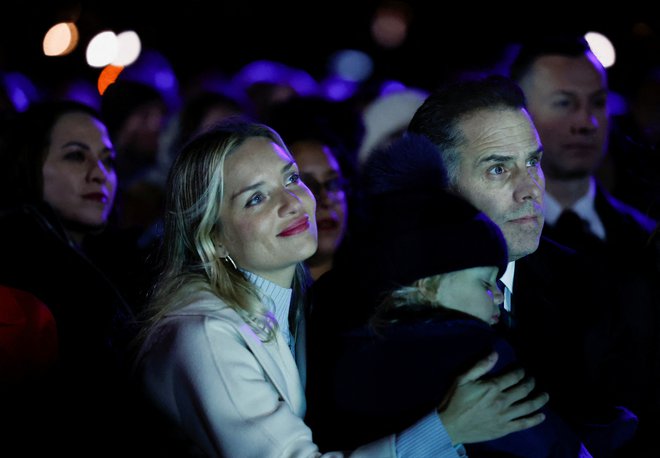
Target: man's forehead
{"points": [[499, 132], [495, 117]]}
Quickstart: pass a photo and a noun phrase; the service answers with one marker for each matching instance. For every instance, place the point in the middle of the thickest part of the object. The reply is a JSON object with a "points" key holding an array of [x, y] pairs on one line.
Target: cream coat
{"points": [[234, 395]]}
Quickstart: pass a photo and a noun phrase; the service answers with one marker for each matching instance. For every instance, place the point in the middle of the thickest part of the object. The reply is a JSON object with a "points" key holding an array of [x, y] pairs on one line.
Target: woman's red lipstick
{"points": [[98, 196], [297, 227]]}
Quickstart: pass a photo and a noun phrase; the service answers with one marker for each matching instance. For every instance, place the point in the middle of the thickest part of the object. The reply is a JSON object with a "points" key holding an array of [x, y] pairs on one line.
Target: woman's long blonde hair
{"points": [[188, 259]]}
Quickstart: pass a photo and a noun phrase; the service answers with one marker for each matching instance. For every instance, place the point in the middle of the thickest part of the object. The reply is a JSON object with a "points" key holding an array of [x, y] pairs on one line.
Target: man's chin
{"points": [[576, 173], [521, 250]]}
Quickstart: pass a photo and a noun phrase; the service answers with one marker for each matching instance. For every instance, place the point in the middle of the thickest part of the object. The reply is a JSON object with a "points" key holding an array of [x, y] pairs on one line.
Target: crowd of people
{"points": [[454, 271]]}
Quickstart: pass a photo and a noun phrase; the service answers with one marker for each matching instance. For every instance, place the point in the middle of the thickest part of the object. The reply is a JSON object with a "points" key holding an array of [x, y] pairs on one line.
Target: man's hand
{"points": [[479, 410]]}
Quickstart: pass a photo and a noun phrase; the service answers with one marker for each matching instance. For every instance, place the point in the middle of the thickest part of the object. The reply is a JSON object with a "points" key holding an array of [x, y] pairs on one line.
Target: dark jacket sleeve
{"points": [[389, 382], [385, 383]]}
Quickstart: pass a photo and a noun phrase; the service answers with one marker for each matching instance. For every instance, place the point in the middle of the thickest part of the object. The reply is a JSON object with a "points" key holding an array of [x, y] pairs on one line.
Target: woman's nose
{"points": [[98, 171], [290, 201]]}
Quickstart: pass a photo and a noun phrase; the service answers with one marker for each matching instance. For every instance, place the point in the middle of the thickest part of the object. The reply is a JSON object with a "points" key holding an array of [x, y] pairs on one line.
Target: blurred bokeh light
{"points": [[61, 39], [602, 48], [102, 49]]}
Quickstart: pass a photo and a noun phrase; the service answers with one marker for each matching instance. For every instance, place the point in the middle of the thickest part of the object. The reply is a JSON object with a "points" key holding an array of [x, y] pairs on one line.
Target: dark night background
{"points": [[197, 35]]}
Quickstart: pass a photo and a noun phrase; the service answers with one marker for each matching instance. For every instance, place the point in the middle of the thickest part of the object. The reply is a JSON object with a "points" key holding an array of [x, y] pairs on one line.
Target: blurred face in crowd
{"points": [[79, 178], [320, 171], [268, 214], [500, 174], [567, 99], [140, 132]]}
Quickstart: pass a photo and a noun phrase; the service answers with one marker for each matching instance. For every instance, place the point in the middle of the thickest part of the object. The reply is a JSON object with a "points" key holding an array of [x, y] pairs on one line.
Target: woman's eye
{"points": [[77, 156], [294, 178], [255, 200]]}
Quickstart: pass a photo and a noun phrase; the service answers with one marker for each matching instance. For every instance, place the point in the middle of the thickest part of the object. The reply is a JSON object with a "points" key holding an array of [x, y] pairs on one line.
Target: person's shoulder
{"points": [[647, 223], [29, 216], [205, 313], [628, 212], [550, 248], [30, 230], [553, 261], [206, 305], [201, 310]]}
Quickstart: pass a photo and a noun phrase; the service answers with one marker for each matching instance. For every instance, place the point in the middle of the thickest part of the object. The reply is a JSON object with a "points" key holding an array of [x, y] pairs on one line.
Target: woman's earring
{"points": [[229, 260]]}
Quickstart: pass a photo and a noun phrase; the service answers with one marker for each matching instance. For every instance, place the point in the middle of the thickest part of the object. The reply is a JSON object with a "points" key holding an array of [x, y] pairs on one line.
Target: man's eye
{"points": [[562, 103], [600, 103], [497, 170]]}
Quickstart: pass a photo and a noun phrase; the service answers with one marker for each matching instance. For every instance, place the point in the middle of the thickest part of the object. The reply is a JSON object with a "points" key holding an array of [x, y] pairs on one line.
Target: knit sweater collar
{"points": [[276, 298]]}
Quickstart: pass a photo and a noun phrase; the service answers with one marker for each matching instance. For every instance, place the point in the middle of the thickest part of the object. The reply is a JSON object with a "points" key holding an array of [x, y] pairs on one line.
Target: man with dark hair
{"points": [[563, 323]]}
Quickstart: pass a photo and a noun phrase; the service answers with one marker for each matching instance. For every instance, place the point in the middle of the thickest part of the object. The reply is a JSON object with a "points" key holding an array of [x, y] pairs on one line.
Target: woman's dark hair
{"points": [[24, 142]]}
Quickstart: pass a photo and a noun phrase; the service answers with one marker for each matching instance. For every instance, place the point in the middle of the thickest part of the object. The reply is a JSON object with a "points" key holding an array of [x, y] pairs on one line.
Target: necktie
{"points": [[572, 231]]}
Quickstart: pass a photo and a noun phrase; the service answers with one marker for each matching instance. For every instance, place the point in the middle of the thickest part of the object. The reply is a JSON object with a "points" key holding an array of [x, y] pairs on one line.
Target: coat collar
{"points": [[275, 357]]}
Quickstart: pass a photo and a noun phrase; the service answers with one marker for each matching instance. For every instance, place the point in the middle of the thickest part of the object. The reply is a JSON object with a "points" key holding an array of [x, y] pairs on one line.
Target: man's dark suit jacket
{"points": [[568, 335], [625, 264]]}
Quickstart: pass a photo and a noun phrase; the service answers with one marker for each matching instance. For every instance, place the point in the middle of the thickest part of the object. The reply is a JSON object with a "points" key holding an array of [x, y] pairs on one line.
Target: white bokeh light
{"points": [[129, 47], [602, 48], [102, 49]]}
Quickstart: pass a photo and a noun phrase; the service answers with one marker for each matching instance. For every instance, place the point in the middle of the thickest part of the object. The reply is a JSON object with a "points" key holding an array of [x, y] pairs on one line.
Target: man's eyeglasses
{"points": [[333, 187]]}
